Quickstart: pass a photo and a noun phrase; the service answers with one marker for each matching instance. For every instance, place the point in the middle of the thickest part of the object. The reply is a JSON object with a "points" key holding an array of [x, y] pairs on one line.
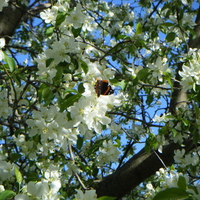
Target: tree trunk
{"points": [[12, 15], [10, 18]]}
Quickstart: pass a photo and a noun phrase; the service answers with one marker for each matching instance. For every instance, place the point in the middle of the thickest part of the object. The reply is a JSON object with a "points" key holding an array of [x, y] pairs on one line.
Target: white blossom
{"points": [[88, 195], [108, 152], [2, 44], [3, 3], [21, 197], [77, 18], [159, 68], [178, 157], [2, 188], [49, 15]]}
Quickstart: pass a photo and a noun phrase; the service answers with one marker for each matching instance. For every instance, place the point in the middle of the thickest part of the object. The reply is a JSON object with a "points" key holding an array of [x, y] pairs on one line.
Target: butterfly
{"points": [[103, 88]]}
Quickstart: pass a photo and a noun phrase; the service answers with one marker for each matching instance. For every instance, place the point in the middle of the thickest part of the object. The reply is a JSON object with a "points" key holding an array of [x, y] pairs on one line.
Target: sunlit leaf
{"points": [[138, 28], [60, 18], [18, 175], [49, 31], [182, 182], [10, 62], [171, 193], [84, 66], [69, 101], [7, 194]]}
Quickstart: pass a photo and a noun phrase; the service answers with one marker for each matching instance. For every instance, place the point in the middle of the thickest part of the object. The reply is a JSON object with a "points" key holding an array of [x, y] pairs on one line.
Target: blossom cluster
{"points": [[190, 71], [58, 125], [166, 178], [185, 160]]}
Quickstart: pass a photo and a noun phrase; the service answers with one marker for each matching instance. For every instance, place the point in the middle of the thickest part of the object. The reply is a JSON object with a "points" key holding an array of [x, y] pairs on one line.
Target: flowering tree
{"points": [[59, 139]]}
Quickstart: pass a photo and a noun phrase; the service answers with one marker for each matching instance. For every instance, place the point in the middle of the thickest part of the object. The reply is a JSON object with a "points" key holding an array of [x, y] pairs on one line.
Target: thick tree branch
{"points": [[12, 15], [10, 18], [140, 167]]}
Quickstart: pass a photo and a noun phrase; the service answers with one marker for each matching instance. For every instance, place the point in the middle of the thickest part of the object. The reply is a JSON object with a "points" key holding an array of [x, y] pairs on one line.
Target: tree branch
{"points": [[140, 167], [10, 18]]}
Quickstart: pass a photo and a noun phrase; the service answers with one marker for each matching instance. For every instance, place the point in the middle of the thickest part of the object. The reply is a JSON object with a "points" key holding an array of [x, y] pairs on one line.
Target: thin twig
{"points": [[160, 159], [76, 174]]}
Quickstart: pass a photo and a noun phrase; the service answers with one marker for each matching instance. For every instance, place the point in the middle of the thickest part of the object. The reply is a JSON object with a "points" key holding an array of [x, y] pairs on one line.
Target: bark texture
{"points": [[140, 167], [10, 18], [12, 15]]}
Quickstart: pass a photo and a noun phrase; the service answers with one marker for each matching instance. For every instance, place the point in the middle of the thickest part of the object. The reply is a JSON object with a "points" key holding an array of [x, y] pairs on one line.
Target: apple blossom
{"points": [[21, 197], [76, 18], [3, 3], [88, 195], [65, 138]]}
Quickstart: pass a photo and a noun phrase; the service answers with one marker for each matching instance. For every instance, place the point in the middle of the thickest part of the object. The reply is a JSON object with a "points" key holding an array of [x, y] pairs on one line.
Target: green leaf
{"points": [[58, 77], [81, 88], [122, 84], [135, 81], [182, 183], [60, 19], [106, 198], [143, 73], [147, 147], [169, 116], [95, 146], [75, 63], [121, 37], [49, 61], [49, 31], [79, 143], [17, 78], [171, 194], [10, 62], [69, 90], [138, 28], [149, 100], [47, 94], [69, 101], [40, 91], [154, 34], [196, 108], [174, 132], [18, 175], [84, 66], [168, 77], [185, 122], [15, 156], [7, 194], [170, 37], [196, 136], [132, 49], [76, 31], [95, 171], [114, 81], [167, 24]]}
